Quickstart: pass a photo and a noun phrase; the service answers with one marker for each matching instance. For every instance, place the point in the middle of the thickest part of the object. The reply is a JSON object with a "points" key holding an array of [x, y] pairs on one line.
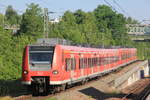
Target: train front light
{"points": [[25, 72], [55, 72]]}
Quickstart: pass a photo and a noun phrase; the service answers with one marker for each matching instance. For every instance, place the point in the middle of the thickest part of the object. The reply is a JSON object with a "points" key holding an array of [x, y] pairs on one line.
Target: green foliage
{"points": [[11, 16], [102, 26], [52, 98], [130, 20], [11, 50], [32, 21], [11, 54], [1, 20]]}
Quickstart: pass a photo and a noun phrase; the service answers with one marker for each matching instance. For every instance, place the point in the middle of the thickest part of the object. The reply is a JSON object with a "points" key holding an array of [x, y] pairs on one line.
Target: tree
{"points": [[1, 20], [130, 20], [11, 16], [32, 21], [5, 48], [79, 16], [88, 27], [68, 28]]}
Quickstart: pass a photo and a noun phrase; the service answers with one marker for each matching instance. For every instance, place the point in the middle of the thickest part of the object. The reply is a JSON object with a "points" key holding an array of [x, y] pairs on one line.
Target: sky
{"points": [[137, 9]]}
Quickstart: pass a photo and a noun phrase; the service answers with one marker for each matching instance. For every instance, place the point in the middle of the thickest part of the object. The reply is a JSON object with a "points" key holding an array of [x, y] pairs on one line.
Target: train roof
{"points": [[67, 45], [80, 48], [75, 48]]}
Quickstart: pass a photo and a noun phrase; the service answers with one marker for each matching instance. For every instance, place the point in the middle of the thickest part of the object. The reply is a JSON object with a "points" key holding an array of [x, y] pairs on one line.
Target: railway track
{"points": [[30, 97], [134, 92], [146, 94]]}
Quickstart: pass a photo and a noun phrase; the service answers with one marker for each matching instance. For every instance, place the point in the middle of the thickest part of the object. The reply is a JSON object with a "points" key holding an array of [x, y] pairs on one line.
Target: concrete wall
{"points": [[138, 72]]}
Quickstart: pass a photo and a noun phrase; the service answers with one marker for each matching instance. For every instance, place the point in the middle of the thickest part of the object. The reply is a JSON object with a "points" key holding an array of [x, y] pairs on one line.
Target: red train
{"points": [[55, 67]]}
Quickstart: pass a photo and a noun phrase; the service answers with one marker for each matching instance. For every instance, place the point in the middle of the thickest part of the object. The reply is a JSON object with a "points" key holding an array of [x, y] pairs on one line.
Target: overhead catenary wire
{"points": [[121, 8], [110, 5]]}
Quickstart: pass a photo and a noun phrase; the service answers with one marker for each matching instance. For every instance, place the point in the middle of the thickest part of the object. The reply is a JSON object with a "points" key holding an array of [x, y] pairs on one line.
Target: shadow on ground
{"points": [[98, 95], [12, 88]]}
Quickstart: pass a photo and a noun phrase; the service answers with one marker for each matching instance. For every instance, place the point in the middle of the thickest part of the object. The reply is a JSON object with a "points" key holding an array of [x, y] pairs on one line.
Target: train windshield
{"points": [[40, 57]]}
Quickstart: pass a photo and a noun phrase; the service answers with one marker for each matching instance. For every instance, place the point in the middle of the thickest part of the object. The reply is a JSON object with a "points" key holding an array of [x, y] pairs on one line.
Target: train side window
{"points": [[92, 64], [73, 63], [81, 63], [95, 61], [123, 56], [99, 61], [89, 62], [84, 62], [107, 60], [68, 64], [102, 61]]}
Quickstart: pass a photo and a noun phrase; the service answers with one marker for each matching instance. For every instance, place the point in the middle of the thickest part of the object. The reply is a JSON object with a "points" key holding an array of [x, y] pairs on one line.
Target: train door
{"points": [[75, 61], [81, 65], [120, 56], [85, 65], [71, 75], [67, 66], [104, 61], [89, 64], [101, 61], [77, 70], [84, 69], [73, 67], [70, 66]]}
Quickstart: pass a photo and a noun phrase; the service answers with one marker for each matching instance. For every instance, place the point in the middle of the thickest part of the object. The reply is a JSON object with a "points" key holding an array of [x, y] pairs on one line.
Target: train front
{"points": [[37, 64]]}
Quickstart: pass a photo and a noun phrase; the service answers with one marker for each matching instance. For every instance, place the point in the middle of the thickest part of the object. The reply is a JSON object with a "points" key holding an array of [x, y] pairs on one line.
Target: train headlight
{"points": [[55, 72], [25, 72]]}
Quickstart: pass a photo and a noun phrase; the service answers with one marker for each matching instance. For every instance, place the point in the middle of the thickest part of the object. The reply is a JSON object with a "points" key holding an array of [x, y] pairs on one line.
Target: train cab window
{"points": [[40, 57], [41, 54]]}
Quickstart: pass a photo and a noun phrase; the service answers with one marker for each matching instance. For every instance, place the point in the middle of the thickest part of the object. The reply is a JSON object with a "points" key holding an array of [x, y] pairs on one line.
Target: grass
{"points": [[53, 98], [115, 92], [6, 98], [11, 88]]}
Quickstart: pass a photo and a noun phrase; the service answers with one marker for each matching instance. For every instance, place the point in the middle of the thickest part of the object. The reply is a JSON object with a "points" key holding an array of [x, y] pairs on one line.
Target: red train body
{"points": [[57, 66]]}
